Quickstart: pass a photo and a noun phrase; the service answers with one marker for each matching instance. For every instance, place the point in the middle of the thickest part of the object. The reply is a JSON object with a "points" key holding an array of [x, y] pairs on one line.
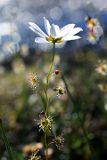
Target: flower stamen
{"points": [[54, 40]]}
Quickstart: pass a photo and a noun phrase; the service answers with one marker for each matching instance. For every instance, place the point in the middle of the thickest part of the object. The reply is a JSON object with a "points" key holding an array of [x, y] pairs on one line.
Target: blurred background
{"points": [[20, 55]]}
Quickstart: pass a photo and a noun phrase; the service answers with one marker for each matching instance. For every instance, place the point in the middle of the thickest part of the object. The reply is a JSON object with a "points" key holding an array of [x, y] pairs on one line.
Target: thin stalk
{"points": [[79, 118], [48, 77], [6, 142], [47, 98], [46, 146]]}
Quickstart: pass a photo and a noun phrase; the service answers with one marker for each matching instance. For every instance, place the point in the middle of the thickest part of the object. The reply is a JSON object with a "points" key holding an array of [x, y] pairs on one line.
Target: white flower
{"points": [[102, 68], [95, 30], [54, 34]]}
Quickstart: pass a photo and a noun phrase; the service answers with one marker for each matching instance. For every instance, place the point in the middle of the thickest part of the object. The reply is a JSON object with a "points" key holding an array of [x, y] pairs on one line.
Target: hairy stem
{"points": [[47, 98], [46, 145], [48, 78]]}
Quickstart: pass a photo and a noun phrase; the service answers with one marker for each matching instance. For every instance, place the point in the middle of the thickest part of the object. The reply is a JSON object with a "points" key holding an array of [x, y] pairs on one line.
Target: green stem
{"points": [[79, 118], [46, 146], [47, 98], [48, 78], [6, 142]]}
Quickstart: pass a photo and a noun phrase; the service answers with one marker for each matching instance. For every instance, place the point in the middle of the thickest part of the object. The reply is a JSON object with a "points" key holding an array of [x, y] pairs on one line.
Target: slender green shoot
{"points": [[6, 142]]}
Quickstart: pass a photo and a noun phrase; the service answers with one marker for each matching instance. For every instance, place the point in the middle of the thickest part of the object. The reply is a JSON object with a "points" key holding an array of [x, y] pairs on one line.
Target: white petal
{"points": [[75, 30], [65, 30], [70, 37], [47, 26], [40, 40], [37, 29], [55, 30], [37, 32]]}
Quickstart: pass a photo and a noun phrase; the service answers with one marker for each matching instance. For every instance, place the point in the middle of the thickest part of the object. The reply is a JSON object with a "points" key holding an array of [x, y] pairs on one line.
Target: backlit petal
{"points": [[75, 30], [70, 37], [55, 30], [40, 40], [66, 29], [47, 26], [37, 29]]}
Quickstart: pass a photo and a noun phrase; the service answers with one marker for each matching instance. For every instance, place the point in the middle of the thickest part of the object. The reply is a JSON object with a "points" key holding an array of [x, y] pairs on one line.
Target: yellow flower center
{"points": [[104, 68], [54, 40], [60, 91], [34, 80], [45, 122], [103, 87]]}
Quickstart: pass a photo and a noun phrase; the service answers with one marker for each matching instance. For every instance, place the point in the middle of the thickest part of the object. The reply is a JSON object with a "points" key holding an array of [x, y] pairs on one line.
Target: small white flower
{"points": [[54, 34], [33, 80], [102, 68], [95, 30]]}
